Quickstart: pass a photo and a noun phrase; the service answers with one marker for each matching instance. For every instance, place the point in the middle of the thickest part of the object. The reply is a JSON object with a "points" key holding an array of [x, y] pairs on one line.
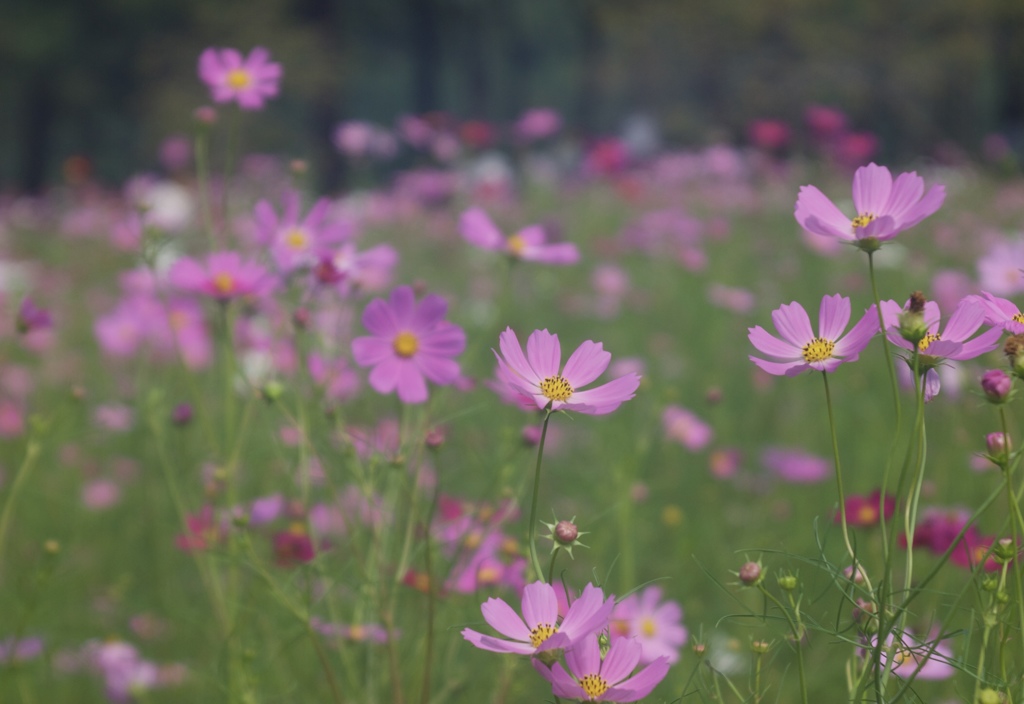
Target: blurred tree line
{"points": [[108, 79]]}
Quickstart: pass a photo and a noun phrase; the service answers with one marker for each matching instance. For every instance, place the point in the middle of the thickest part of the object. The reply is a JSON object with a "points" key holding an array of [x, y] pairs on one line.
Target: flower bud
{"points": [[787, 582], [912, 327], [435, 438], [205, 115], [989, 696], [1013, 348], [751, 574], [760, 646], [566, 532], [1004, 550], [997, 385], [997, 445], [182, 414]]}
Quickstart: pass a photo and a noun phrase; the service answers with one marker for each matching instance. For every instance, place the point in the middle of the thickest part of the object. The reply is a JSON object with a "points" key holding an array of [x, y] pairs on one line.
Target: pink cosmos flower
{"points": [[410, 344], [800, 350], [683, 426], [884, 207], [249, 81], [592, 679], [862, 511], [295, 241], [999, 270], [922, 660], [529, 244], [538, 629], [656, 626], [952, 343], [537, 374], [224, 275], [537, 123], [795, 466], [1001, 313]]}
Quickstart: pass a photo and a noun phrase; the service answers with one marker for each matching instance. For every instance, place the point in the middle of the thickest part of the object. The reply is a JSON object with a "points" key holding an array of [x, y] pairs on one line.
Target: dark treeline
{"points": [[107, 79]]}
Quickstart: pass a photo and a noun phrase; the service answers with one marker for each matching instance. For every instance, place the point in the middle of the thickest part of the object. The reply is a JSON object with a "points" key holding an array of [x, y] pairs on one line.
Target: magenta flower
{"points": [[952, 343], [800, 350], [537, 374], [884, 207], [538, 630], [592, 679], [529, 244], [249, 81], [224, 275], [922, 660], [656, 625], [410, 344]]}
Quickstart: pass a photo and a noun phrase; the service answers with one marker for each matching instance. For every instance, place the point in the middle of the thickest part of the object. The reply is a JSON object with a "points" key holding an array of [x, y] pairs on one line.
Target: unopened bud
{"points": [[182, 414], [1013, 348], [913, 328], [997, 385], [300, 318], [1004, 550], [751, 574], [435, 438], [997, 445], [989, 584], [700, 649], [205, 115], [989, 696], [566, 532], [760, 646], [787, 582], [272, 390]]}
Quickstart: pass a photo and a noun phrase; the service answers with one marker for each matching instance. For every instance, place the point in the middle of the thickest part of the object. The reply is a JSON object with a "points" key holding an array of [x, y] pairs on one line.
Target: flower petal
{"points": [[605, 398], [586, 364], [871, 187], [543, 353], [793, 324], [503, 618], [833, 316]]}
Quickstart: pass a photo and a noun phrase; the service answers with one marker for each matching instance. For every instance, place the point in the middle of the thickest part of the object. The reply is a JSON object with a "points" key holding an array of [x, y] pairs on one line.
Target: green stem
{"points": [[839, 473], [533, 504], [797, 630], [32, 450]]}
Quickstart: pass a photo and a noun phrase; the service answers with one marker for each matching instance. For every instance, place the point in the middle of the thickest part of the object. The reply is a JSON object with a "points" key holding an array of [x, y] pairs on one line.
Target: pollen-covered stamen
{"points": [[296, 238], [927, 340], [862, 220], [541, 632], [516, 245], [556, 388], [818, 350], [238, 78], [593, 685], [1019, 318], [224, 283], [405, 344]]}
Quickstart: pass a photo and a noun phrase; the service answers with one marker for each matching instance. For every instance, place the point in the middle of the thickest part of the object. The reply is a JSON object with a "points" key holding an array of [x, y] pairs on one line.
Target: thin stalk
{"points": [[533, 504], [839, 473], [797, 630], [32, 450]]}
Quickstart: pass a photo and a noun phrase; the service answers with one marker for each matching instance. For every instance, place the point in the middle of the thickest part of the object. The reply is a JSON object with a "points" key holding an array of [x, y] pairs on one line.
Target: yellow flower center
{"points": [[224, 283], [818, 350], [357, 632], [594, 686], [620, 627], [647, 627], [1019, 318], [556, 388], [488, 575], [927, 340], [541, 633], [406, 344], [516, 245], [867, 514], [472, 540], [862, 220], [239, 78], [296, 238]]}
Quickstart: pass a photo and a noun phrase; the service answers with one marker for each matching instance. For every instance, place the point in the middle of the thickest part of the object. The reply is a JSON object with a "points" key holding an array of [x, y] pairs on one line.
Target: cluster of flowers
{"points": [[601, 642]]}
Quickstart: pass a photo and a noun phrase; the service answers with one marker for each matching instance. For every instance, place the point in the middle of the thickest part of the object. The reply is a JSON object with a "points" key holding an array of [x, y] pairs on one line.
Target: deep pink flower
{"points": [[884, 207], [538, 629], [537, 374], [410, 344], [954, 342], [248, 81], [862, 511], [592, 679], [529, 244], [224, 275], [656, 625], [801, 350]]}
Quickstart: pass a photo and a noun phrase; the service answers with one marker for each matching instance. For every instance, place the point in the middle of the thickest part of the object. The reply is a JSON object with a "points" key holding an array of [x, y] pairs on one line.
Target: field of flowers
{"points": [[516, 419]]}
